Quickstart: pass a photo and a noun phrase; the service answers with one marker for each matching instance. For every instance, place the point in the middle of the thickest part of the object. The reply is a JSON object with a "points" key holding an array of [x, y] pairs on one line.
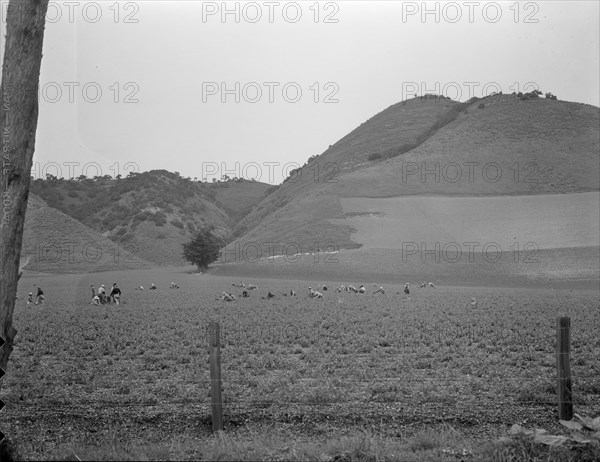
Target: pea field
{"points": [[475, 360]]}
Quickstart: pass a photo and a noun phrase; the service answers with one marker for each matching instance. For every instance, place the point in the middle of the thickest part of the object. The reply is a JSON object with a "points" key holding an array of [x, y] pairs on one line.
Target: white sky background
{"points": [[369, 55]]}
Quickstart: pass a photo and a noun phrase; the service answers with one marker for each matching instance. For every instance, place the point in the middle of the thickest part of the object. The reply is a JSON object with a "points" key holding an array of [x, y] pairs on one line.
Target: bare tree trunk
{"points": [[25, 22]]}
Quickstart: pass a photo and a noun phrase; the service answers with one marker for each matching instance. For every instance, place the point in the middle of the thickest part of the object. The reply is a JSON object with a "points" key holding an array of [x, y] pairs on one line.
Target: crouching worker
{"points": [[102, 294]]}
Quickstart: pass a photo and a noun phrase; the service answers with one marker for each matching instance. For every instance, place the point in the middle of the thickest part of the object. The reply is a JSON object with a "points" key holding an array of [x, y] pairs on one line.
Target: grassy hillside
{"points": [[57, 243], [501, 145], [393, 131], [537, 146], [153, 213], [238, 197]]}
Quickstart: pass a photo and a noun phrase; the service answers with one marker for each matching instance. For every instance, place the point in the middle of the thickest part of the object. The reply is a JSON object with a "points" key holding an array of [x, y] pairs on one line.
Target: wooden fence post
{"points": [[214, 350], [563, 361]]}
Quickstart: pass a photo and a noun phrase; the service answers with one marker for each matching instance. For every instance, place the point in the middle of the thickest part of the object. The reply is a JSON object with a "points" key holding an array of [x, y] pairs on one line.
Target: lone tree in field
{"points": [[203, 249], [25, 21]]}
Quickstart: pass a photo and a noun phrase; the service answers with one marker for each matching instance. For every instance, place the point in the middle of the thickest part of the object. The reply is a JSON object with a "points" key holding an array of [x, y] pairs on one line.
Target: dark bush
{"points": [[271, 189], [127, 237], [481, 106], [159, 219], [374, 156]]}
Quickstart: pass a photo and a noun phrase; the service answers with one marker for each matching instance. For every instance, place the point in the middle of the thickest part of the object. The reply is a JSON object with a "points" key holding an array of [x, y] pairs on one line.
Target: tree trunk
{"points": [[25, 22]]}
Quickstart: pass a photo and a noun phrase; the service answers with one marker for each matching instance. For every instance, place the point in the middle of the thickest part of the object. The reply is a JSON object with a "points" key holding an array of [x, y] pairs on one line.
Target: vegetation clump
{"points": [[203, 249]]}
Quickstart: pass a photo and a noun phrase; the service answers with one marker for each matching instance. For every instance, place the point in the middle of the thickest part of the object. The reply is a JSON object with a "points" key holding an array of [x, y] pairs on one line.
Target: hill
{"points": [[237, 197], [57, 243], [152, 213], [496, 146]]}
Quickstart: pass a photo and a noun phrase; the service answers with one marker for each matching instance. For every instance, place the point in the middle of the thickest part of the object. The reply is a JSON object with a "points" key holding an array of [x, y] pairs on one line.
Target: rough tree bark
{"points": [[25, 21]]}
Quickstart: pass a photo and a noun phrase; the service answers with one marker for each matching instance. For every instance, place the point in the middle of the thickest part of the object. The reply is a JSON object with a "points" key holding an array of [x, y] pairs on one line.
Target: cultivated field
{"points": [[546, 221], [132, 381]]}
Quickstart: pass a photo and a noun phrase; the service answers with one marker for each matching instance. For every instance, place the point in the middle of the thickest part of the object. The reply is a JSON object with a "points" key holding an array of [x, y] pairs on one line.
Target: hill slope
{"points": [[500, 145], [153, 213], [238, 197], [57, 243]]}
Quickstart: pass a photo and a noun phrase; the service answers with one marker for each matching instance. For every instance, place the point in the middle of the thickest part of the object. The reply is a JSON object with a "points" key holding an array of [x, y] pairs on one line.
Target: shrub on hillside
{"points": [[177, 224], [481, 106], [127, 237], [531, 95], [110, 222], [142, 216], [374, 156], [271, 189], [159, 218]]}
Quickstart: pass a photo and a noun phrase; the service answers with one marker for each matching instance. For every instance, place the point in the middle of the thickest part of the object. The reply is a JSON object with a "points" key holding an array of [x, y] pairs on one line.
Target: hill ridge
{"points": [[557, 141]]}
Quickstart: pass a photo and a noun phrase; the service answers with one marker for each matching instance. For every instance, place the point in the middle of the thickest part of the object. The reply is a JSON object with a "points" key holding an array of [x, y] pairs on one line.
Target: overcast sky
{"points": [[153, 84]]}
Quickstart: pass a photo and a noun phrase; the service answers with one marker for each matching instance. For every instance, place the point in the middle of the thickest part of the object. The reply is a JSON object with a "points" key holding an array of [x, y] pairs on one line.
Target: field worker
{"points": [[115, 293], [245, 294], [351, 289], [406, 289], [39, 298], [93, 291], [252, 287], [102, 294], [30, 298], [292, 293], [228, 297], [431, 285], [95, 300], [152, 286], [423, 285], [361, 289], [379, 290], [270, 295], [314, 293]]}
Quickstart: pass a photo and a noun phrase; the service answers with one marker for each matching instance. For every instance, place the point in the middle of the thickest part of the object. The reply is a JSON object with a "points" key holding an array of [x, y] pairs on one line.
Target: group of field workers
{"points": [[102, 298], [361, 289], [312, 293], [39, 297]]}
